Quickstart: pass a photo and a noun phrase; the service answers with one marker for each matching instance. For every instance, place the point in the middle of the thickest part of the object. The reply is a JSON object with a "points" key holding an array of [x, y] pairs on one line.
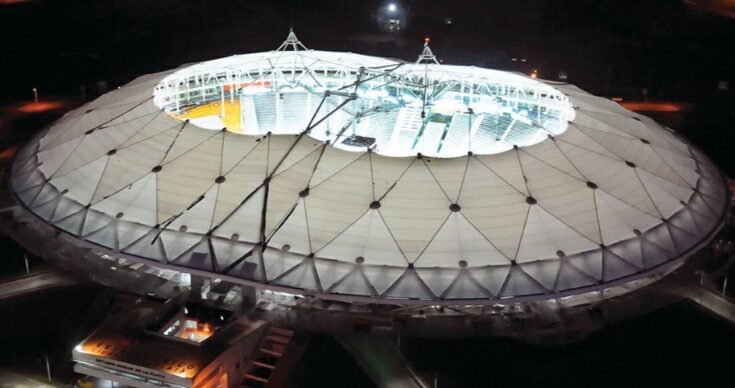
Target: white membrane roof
{"points": [[610, 197]]}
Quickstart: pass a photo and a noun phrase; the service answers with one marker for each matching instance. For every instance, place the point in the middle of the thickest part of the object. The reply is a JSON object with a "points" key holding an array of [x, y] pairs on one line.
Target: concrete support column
{"points": [[197, 284], [249, 297]]}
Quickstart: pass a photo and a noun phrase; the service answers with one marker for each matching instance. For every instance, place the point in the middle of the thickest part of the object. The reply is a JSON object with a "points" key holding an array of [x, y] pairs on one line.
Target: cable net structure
{"points": [[354, 101], [368, 179]]}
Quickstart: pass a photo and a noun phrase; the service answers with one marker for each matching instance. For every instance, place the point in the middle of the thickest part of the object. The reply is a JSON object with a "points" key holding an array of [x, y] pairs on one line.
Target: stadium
{"points": [[361, 180]]}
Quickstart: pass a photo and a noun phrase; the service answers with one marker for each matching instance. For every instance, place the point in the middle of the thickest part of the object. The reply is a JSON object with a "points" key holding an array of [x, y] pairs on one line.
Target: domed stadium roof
{"points": [[371, 179]]}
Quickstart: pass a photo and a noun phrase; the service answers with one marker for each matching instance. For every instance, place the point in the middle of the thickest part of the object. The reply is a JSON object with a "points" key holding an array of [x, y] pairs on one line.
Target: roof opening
{"points": [[359, 102]]}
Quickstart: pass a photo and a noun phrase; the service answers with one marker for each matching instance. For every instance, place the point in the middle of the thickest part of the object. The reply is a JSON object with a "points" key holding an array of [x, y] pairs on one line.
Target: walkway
{"points": [[713, 302]]}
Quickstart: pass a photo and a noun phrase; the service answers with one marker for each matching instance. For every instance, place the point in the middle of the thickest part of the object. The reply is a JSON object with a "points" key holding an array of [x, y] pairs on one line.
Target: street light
{"points": [[392, 7], [35, 95]]}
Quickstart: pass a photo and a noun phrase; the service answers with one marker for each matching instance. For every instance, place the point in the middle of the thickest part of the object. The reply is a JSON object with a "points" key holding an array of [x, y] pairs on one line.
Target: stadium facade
{"points": [[368, 180]]}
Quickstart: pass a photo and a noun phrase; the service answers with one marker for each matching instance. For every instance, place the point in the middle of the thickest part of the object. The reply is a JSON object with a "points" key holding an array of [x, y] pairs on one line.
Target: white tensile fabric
{"points": [[613, 197]]}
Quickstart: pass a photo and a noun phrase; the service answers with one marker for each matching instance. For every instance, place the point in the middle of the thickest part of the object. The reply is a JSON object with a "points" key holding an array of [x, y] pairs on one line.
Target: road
{"points": [[9, 378], [34, 282]]}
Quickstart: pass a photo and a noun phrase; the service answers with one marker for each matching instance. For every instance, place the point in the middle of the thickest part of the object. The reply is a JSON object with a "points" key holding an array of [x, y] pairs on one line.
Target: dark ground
{"points": [[326, 364], [679, 346], [49, 324]]}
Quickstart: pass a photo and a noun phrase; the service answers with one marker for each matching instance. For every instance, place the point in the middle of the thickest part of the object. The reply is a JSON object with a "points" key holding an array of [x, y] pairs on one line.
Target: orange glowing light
{"points": [[426, 40], [11, 2], [116, 348], [41, 106], [721, 7], [654, 106], [8, 153]]}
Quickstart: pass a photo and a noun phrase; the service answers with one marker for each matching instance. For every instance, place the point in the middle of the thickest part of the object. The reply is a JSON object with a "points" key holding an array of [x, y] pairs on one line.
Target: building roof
{"points": [[125, 343], [588, 195]]}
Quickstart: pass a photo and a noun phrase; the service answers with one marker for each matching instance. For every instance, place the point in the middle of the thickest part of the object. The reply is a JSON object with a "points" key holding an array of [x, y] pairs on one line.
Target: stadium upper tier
{"points": [[368, 179], [353, 101]]}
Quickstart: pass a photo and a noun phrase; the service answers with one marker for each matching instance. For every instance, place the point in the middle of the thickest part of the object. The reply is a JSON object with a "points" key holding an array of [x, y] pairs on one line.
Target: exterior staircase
{"points": [[277, 354]]}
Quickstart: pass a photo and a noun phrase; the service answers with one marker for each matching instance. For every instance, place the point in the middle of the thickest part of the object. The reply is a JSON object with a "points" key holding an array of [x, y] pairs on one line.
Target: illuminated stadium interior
{"points": [[354, 101]]}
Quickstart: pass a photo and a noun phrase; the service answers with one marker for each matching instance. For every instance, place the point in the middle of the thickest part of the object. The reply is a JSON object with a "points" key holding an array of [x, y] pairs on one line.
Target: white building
{"points": [[365, 179]]}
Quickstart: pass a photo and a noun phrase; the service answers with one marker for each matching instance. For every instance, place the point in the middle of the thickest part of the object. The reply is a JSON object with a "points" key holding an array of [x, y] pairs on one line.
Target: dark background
{"points": [[675, 50]]}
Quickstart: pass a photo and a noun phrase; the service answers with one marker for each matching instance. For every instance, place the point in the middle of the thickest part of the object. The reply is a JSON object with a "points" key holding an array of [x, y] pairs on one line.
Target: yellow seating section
{"points": [[232, 114]]}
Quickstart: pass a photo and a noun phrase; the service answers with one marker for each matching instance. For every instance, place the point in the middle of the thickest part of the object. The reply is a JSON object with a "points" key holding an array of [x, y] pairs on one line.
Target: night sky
{"points": [[674, 50]]}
